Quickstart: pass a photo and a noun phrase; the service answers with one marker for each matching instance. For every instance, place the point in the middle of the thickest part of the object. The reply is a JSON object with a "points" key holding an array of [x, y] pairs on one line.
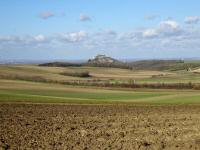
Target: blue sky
{"points": [[80, 29]]}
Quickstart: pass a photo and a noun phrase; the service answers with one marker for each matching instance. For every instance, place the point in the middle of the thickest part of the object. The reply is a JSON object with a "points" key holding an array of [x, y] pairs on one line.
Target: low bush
{"points": [[83, 74]]}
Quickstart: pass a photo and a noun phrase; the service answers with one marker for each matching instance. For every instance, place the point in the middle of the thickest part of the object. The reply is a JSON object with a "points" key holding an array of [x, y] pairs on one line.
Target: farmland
{"points": [[23, 91], [39, 110], [99, 73], [47, 126]]}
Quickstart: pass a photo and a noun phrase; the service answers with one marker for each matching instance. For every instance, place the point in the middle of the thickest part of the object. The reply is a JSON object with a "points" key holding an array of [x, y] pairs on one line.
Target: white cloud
{"points": [[168, 28], [84, 18], [46, 15], [192, 19], [168, 24], [73, 36], [164, 28], [149, 33], [40, 38], [9, 38], [24, 40]]}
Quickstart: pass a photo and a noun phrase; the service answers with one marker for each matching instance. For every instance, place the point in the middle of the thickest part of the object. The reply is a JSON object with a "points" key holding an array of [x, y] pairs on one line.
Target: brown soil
{"points": [[44, 126]]}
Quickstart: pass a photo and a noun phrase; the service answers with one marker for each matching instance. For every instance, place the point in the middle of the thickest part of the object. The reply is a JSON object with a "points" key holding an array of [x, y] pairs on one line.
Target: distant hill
{"points": [[61, 64], [105, 61], [98, 61], [155, 64]]}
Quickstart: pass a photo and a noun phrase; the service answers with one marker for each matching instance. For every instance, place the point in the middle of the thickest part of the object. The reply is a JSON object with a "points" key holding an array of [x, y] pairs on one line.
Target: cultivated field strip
{"points": [[21, 91], [78, 127]]}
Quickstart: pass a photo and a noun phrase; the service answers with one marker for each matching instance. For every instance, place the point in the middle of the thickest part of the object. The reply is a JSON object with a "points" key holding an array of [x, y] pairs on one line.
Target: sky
{"points": [[81, 29]]}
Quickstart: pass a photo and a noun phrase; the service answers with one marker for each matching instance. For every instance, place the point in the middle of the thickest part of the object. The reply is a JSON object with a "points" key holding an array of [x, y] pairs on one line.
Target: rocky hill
{"points": [[105, 61]]}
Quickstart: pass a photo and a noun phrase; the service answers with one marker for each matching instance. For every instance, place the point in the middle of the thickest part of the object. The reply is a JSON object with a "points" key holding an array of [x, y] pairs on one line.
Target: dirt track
{"points": [[27, 126]]}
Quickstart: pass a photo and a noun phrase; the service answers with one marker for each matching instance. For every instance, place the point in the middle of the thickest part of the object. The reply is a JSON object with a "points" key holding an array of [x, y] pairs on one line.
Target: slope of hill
{"points": [[155, 64]]}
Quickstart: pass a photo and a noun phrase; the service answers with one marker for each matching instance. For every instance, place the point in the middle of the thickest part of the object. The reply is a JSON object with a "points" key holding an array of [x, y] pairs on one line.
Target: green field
{"points": [[16, 86], [30, 92]]}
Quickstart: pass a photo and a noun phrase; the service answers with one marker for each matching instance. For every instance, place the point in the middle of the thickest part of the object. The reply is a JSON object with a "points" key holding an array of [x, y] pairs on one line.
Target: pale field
{"points": [[54, 73]]}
